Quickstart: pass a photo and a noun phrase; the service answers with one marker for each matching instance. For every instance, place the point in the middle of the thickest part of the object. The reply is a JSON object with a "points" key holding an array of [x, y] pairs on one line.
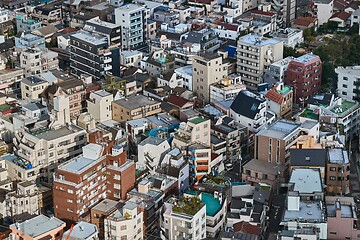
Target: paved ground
{"points": [[275, 215], [235, 174]]}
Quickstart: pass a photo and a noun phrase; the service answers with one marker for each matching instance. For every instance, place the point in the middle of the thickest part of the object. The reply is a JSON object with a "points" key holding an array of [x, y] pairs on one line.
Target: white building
{"points": [[179, 223], [250, 110], [276, 71], [323, 10], [185, 75], [99, 105], [348, 83], [131, 17], [82, 230], [150, 152], [125, 223], [226, 90], [35, 61], [290, 36], [355, 17], [131, 58]]}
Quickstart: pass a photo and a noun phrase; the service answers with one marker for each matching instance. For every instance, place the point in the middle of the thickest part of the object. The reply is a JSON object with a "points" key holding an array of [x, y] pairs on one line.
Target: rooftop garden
{"points": [[308, 113], [197, 120], [285, 90], [216, 180], [344, 107], [188, 206]]}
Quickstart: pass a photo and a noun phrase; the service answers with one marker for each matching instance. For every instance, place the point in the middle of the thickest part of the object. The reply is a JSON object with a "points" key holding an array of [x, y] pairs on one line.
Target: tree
{"points": [[289, 51]]}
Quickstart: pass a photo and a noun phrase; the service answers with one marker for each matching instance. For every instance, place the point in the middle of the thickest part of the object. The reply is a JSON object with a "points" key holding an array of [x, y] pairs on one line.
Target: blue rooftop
{"points": [[212, 205], [258, 40]]}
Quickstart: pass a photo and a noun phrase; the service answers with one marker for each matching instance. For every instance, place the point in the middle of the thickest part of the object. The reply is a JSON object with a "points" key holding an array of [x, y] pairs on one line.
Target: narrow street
{"points": [[275, 215]]}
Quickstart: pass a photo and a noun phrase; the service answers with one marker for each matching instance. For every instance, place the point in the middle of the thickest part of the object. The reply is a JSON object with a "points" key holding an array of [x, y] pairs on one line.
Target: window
{"points": [[333, 169], [345, 78], [332, 178], [123, 227], [69, 200], [333, 233], [70, 191], [265, 176], [344, 86], [124, 237]]}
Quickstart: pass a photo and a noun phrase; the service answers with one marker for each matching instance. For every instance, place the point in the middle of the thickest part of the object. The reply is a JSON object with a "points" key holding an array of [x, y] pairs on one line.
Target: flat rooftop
{"points": [[280, 129], [105, 206], [197, 120], [135, 102], [309, 212], [345, 108], [51, 134], [82, 230], [90, 38], [283, 62], [347, 211], [258, 40], [39, 225], [354, 70], [306, 58], [78, 164], [338, 156], [306, 180]]}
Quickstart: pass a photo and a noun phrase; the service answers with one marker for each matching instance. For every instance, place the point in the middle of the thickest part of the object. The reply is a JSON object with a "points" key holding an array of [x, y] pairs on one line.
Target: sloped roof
{"points": [[274, 96], [246, 227], [246, 105], [304, 21], [308, 157], [177, 100], [229, 26], [342, 15]]}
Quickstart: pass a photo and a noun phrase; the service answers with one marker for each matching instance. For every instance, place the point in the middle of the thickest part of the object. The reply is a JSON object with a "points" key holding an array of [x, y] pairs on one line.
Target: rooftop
{"points": [[135, 102], [82, 230], [212, 204], [89, 37], [189, 206], [307, 58], [338, 156], [308, 212], [106, 206], [308, 113], [280, 129], [32, 81], [354, 70], [345, 108], [51, 134], [347, 211], [258, 40], [306, 180], [308, 157], [39, 225], [197, 120]]}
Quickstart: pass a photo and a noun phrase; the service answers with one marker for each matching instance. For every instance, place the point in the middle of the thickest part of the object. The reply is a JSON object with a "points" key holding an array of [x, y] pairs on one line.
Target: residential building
{"points": [[304, 76], [196, 129], [355, 17], [109, 30], [291, 37], [309, 158], [99, 105], [98, 63], [322, 10], [131, 58], [85, 180], [26, 24], [151, 151], [159, 62], [338, 171], [216, 210], [276, 71], [285, 9], [100, 212], [254, 55], [32, 87], [232, 137], [35, 61], [82, 230], [131, 17], [10, 82], [37, 228], [169, 17], [200, 160], [206, 70], [250, 110], [127, 222], [341, 18], [304, 210], [227, 88], [49, 14], [186, 219], [134, 107], [184, 74], [341, 217], [348, 82], [304, 22], [29, 40], [279, 100], [40, 151]]}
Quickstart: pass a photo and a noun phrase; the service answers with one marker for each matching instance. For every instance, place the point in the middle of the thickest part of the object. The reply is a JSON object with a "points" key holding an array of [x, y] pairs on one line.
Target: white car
{"points": [[229, 166]]}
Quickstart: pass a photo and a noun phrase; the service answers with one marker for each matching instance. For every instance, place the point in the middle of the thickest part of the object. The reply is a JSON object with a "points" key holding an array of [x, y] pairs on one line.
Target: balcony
{"points": [[357, 83]]}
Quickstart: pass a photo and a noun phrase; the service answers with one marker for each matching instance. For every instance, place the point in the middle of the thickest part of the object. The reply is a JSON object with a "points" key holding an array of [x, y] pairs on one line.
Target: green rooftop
{"points": [[189, 206], [285, 90], [308, 113], [345, 107], [5, 107], [197, 120]]}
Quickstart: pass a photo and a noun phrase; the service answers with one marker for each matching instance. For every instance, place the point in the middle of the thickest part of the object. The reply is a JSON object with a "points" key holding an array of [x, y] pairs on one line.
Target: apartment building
{"points": [[151, 152], [35, 61], [322, 10], [90, 54], [250, 110], [82, 230], [276, 71], [132, 19], [99, 105], [227, 88], [37, 228], [41, 150], [85, 180], [186, 219], [348, 82], [127, 222], [69, 86], [342, 218], [131, 58], [32, 87], [291, 37], [207, 69], [200, 160], [134, 107], [100, 211], [28, 40], [24, 23], [254, 55], [304, 76], [170, 17], [338, 171], [196, 129], [109, 30], [279, 100], [10, 82]]}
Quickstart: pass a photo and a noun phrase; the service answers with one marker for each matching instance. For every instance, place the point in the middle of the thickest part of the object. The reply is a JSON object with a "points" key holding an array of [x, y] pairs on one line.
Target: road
{"points": [[275, 215], [235, 173]]}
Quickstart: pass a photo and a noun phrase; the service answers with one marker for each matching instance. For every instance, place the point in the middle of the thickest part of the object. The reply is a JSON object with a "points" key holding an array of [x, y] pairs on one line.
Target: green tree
{"points": [[289, 51]]}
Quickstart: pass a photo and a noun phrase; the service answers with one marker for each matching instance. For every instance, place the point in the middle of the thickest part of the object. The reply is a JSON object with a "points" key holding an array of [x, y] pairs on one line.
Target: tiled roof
{"points": [[246, 227], [177, 101], [304, 21], [342, 15], [229, 26], [262, 13], [274, 96]]}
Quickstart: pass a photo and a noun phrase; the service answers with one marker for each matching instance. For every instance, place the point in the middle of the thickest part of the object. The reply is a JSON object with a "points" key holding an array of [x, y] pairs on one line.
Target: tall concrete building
{"points": [[99, 105], [304, 75], [131, 17], [254, 54], [348, 83], [207, 69]]}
